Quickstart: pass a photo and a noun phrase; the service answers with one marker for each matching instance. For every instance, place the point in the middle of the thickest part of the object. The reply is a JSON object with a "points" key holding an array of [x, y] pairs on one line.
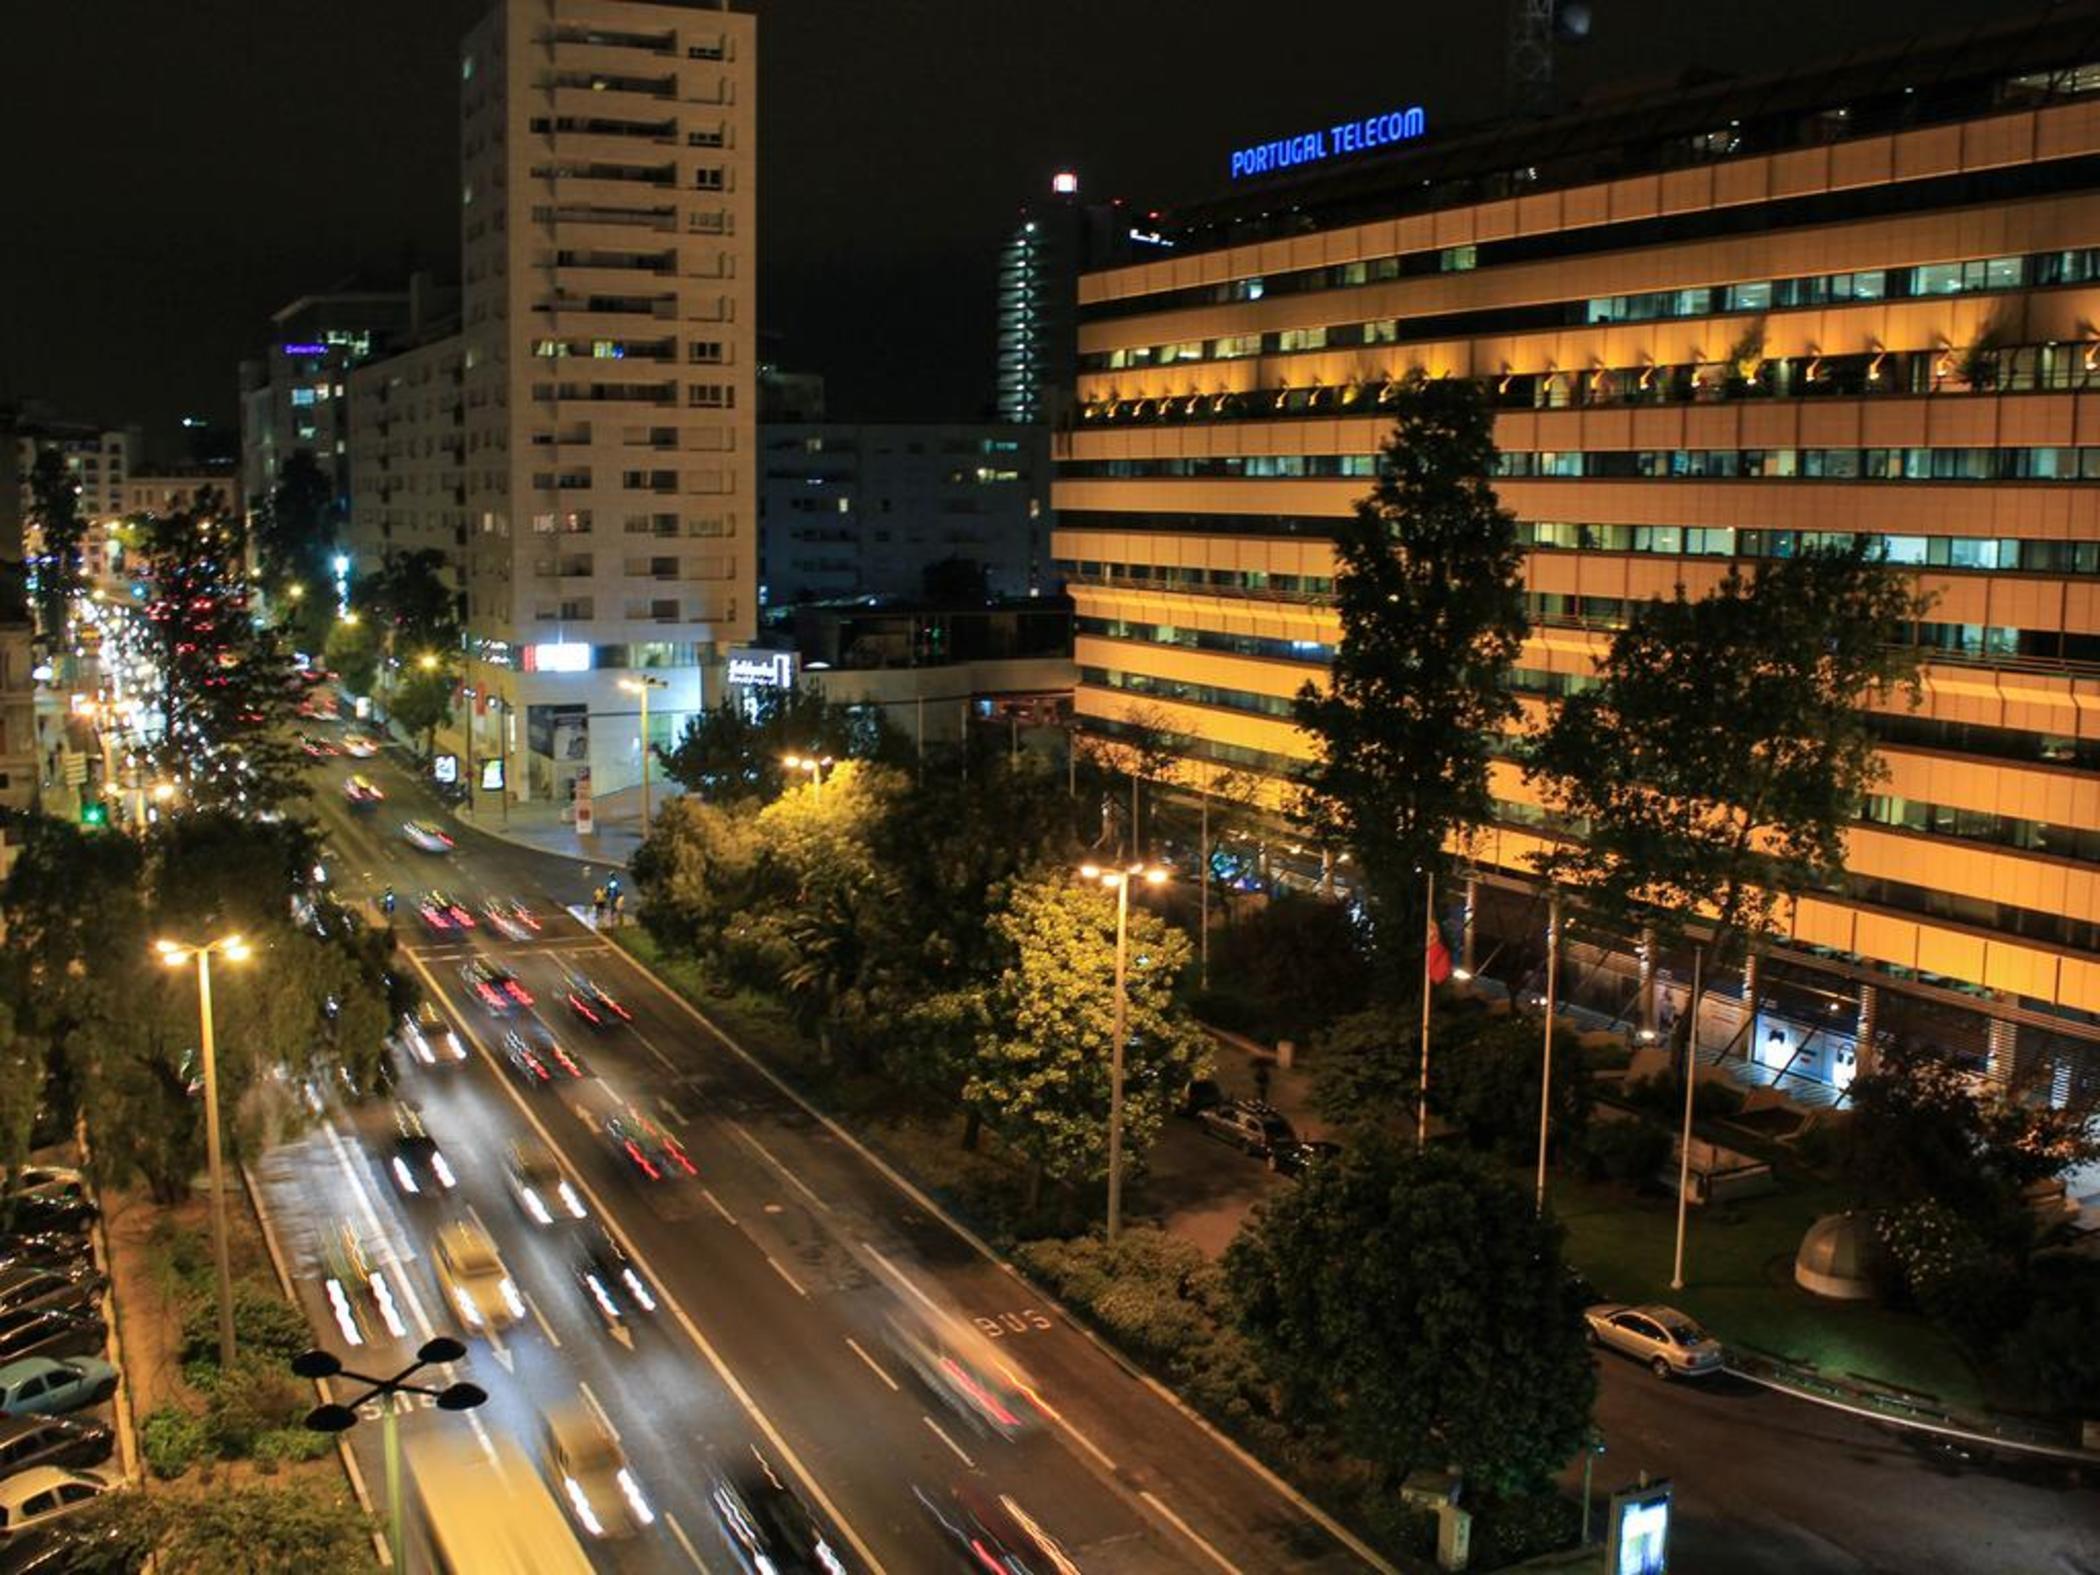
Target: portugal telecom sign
{"points": [[1330, 142]]}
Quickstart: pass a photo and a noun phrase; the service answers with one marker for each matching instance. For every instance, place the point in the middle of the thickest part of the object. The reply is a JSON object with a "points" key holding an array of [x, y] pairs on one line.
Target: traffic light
{"points": [[94, 813]]}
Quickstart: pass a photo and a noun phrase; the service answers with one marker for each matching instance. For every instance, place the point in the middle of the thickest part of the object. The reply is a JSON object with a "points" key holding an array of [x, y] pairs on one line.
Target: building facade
{"points": [[1721, 327], [607, 359], [407, 433], [851, 510]]}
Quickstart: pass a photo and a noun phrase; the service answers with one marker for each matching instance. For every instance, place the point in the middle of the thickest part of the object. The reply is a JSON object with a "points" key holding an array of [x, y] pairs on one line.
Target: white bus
{"points": [[489, 1514]]}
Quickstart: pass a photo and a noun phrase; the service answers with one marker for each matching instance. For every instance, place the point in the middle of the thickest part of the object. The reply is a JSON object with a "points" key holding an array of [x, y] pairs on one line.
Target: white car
{"points": [[32, 1500], [429, 1038], [359, 747], [429, 838], [476, 1282], [1662, 1337]]}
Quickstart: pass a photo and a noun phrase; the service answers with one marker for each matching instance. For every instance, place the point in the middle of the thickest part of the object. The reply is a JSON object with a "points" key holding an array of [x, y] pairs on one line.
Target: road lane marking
{"points": [[1100, 1455], [770, 1158], [951, 1443], [1188, 1531], [540, 1318], [777, 1269], [722, 1370], [590, 1399], [873, 1366], [918, 1195], [684, 1541], [717, 1203]]}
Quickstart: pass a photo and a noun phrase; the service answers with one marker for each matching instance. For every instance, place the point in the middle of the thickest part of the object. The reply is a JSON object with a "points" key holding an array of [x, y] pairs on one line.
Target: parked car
{"points": [[49, 1181], [71, 1441], [70, 1289], [36, 1213], [33, 1501], [50, 1331], [1664, 1338], [41, 1249], [1251, 1127], [1202, 1094], [1295, 1157], [44, 1384]]}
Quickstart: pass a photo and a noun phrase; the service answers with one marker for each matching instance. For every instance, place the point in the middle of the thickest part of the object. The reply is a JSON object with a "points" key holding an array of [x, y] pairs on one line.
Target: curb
{"points": [[1326, 1522], [351, 1469], [2061, 1453]]}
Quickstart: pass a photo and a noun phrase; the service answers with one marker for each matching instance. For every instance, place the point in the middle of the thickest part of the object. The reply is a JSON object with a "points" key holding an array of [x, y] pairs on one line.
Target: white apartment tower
{"points": [[608, 364]]}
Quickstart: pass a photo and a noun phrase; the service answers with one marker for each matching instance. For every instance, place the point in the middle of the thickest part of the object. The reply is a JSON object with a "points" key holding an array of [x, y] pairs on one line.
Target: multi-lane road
{"points": [[777, 1268]]}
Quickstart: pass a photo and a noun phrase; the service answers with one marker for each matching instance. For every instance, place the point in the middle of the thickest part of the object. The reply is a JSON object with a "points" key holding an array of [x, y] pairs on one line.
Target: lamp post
{"points": [[175, 954], [1119, 880], [1691, 1088], [1546, 1073], [641, 685], [334, 1417], [815, 765]]}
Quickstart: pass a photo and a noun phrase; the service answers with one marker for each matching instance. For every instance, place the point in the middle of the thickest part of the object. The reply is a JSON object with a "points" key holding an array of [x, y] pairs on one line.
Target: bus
{"points": [[487, 1511]]}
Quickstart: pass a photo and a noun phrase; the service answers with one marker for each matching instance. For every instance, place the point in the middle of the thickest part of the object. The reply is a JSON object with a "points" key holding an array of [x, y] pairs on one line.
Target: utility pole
{"points": [[1691, 1082], [1546, 1076], [1428, 941]]}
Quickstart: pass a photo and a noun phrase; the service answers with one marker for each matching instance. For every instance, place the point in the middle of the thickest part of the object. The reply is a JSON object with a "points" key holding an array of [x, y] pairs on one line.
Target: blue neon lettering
{"points": [[1344, 137]]}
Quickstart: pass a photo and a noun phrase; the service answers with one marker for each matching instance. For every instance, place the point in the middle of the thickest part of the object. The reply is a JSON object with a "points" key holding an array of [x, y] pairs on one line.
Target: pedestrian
{"points": [[1261, 1080], [597, 905], [619, 909]]}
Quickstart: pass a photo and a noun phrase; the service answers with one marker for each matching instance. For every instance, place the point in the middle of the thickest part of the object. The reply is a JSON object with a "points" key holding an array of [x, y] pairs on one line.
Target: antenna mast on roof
{"points": [[1535, 28]]}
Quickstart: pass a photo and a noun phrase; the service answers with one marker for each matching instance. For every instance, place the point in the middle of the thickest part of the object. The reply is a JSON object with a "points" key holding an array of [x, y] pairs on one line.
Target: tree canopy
{"points": [[1723, 749], [1417, 1306], [54, 508], [729, 753], [1429, 590]]}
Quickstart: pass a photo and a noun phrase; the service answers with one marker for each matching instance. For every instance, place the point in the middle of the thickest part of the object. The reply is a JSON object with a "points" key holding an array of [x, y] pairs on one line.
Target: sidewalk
{"points": [[542, 827]]}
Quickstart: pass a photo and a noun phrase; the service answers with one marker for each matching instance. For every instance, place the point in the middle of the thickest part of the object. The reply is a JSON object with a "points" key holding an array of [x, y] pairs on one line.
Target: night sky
{"points": [[176, 172]]}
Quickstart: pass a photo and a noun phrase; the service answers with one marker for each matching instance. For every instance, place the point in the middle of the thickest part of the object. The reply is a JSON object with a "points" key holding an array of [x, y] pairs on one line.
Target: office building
{"points": [[19, 749], [97, 459], [608, 220], [1054, 241], [293, 398], [1721, 325], [851, 510]]}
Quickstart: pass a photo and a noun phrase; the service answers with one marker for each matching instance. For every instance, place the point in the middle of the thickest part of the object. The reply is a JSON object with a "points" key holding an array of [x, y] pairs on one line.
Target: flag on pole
{"points": [[1436, 963]]}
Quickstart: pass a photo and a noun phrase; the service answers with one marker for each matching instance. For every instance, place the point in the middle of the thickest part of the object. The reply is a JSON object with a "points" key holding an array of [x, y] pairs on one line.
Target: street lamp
{"points": [[641, 684], [428, 661], [175, 954], [1119, 880], [334, 1417], [815, 765]]}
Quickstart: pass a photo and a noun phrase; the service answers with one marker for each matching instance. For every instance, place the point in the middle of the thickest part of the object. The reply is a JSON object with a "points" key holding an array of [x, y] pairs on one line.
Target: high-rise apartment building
{"points": [[1722, 326], [1057, 238], [858, 509], [407, 428], [607, 362]]}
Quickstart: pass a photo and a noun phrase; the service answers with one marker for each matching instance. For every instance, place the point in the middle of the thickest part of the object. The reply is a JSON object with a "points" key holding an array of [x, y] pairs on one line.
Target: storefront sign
{"points": [[586, 819], [492, 774], [445, 768], [1330, 142], [751, 668]]}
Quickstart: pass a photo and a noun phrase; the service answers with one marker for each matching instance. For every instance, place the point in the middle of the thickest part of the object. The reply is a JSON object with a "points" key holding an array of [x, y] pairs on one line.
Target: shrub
{"points": [[1633, 1152], [171, 1439], [265, 1325], [1946, 1268], [2052, 1360], [288, 1446], [1511, 1530], [1663, 1095], [258, 1396]]}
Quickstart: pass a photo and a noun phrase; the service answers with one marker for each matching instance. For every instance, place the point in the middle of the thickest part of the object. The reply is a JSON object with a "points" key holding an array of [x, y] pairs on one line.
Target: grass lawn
{"points": [[1739, 1282]]}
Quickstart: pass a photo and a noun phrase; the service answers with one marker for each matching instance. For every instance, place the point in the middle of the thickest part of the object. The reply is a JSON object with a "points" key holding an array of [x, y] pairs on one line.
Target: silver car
{"points": [[1663, 1337]]}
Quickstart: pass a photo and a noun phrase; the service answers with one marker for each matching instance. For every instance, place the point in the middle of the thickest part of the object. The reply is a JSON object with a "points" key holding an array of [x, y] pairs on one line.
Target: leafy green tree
{"points": [[1293, 964], [422, 700], [297, 527], [698, 877], [1724, 749], [729, 753], [1429, 588], [352, 653], [1417, 1305], [411, 598], [1040, 1075], [54, 508], [226, 684]]}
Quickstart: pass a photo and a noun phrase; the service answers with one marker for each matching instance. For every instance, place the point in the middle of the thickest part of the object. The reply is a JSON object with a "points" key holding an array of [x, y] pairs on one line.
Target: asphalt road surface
{"points": [[777, 1268]]}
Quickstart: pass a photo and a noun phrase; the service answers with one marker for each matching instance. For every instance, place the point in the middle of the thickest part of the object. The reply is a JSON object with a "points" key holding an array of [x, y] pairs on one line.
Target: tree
{"points": [[352, 653], [1040, 1073], [955, 582], [296, 528], [54, 508], [410, 597], [226, 684], [422, 700], [697, 876], [1430, 593], [1723, 749], [1418, 1306], [730, 752]]}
